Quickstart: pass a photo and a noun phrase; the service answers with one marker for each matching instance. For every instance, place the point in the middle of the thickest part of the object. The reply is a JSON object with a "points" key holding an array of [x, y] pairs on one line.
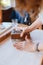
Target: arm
{"points": [[32, 27]]}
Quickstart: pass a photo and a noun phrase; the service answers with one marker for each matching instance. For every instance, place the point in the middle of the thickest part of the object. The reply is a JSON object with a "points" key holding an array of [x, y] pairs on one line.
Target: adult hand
{"points": [[21, 45], [26, 45], [25, 31]]}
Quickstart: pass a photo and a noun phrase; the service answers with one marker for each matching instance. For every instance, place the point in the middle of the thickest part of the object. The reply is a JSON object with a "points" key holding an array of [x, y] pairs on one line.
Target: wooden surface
{"points": [[4, 33]]}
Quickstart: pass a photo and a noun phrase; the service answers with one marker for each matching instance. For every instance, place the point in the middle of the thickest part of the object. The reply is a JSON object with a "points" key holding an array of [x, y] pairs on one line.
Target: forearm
{"points": [[34, 25]]}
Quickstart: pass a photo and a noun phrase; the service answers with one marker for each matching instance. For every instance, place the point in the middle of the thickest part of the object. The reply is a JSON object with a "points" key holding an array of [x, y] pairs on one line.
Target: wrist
{"points": [[28, 29]]}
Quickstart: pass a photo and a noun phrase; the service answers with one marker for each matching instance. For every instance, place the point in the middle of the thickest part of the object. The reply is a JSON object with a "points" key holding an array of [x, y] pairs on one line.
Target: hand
{"points": [[23, 44], [24, 31], [26, 45], [20, 45]]}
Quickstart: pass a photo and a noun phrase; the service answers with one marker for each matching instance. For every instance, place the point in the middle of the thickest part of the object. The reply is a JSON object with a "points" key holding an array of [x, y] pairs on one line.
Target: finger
{"points": [[26, 38], [14, 45], [21, 35], [17, 44], [19, 48]]}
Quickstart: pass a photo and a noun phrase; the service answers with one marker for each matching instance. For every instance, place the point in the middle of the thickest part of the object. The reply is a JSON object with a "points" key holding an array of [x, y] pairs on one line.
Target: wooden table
{"points": [[5, 32]]}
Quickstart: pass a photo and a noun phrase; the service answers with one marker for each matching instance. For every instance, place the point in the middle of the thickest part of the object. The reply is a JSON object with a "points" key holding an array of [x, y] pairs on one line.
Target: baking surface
{"points": [[9, 55]]}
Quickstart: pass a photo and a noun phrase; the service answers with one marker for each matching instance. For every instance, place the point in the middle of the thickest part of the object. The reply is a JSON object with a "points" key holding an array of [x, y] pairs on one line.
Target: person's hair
{"points": [[32, 3], [41, 6]]}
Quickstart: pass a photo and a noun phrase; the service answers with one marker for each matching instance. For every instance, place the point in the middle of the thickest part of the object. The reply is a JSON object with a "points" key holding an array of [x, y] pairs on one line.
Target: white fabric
{"points": [[41, 16], [37, 35]]}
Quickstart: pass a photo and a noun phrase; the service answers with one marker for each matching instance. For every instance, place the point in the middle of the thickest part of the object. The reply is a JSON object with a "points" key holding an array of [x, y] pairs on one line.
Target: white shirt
{"points": [[41, 16]]}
